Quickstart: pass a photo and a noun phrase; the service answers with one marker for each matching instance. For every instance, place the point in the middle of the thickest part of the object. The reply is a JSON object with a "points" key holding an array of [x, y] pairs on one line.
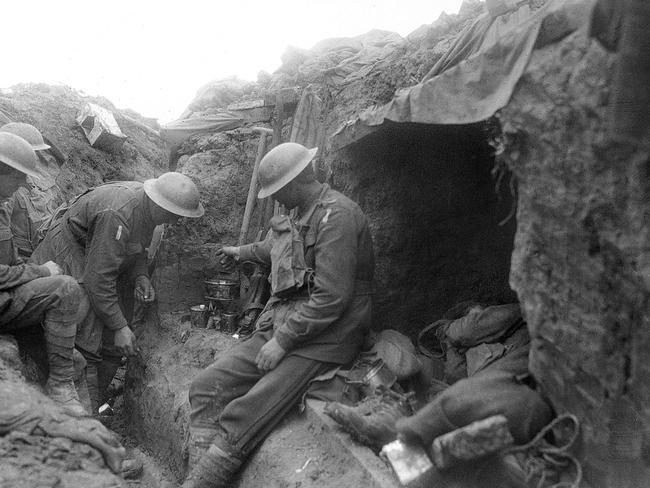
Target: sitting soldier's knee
{"points": [[68, 290], [202, 390]]}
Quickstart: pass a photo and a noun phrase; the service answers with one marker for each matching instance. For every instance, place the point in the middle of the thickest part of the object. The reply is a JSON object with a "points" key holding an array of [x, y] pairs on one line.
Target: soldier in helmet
{"points": [[33, 294], [322, 265], [100, 239], [33, 204]]}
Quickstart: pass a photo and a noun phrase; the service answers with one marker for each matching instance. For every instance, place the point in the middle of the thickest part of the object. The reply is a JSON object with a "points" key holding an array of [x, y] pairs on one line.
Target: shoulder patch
{"points": [[118, 234], [327, 216]]}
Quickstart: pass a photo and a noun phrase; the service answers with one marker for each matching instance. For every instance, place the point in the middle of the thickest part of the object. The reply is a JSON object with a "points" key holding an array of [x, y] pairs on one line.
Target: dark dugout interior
{"points": [[442, 216]]}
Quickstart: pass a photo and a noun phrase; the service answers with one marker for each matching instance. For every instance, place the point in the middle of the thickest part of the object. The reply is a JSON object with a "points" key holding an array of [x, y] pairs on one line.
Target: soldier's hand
{"points": [[124, 341], [55, 269], [228, 256], [270, 355], [144, 291]]}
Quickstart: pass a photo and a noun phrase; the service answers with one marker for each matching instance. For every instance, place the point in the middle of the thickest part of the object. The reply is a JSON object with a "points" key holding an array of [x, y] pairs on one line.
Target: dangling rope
{"points": [[544, 460]]}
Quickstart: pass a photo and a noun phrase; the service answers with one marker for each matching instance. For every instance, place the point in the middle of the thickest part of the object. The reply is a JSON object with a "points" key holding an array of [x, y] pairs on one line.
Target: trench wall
{"points": [[221, 165], [581, 263]]}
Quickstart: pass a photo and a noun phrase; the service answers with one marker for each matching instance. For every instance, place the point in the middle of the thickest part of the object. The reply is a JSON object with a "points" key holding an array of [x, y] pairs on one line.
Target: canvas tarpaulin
{"points": [[473, 80], [177, 131]]}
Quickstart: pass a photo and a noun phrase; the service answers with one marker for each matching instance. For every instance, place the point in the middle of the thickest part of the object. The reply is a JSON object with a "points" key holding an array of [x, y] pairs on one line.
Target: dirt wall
{"points": [[29, 457], [53, 110], [581, 263], [221, 165]]}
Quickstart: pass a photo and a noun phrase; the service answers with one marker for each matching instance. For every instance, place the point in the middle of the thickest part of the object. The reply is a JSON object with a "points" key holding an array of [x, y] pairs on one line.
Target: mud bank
{"points": [[581, 264], [29, 458]]}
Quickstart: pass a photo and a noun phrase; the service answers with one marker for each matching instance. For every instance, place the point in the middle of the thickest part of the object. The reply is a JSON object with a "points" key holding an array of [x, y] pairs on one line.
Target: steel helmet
{"points": [[28, 132], [281, 165], [17, 153], [176, 193]]}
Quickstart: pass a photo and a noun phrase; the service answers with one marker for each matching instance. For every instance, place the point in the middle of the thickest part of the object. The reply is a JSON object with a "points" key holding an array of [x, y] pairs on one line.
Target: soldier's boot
{"points": [[80, 381], [215, 469], [371, 421], [59, 341], [200, 439]]}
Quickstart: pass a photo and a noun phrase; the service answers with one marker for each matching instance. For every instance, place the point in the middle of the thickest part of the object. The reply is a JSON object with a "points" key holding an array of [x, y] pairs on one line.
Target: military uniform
{"points": [[29, 297], [320, 324], [100, 240], [32, 206]]}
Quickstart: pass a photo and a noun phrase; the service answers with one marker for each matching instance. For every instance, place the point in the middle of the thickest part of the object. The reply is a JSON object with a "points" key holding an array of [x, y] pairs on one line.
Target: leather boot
{"points": [[59, 343], [372, 421], [199, 442], [65, 394], [215, 469]]}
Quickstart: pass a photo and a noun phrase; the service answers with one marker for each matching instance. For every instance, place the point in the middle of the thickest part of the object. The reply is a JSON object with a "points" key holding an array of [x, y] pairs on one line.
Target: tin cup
{"points": [[379, 376], [228, 322], [199, 316]]}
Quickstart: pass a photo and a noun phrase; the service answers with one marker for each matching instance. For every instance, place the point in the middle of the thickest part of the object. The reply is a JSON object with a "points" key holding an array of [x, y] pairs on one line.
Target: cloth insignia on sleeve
{"points": [[118, 234], [327, 216]]}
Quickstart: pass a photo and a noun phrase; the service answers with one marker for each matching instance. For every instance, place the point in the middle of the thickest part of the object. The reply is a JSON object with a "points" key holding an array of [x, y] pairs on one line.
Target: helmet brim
{"points": [[41, 147], [282, 182], [21, 168], [161, 201]]}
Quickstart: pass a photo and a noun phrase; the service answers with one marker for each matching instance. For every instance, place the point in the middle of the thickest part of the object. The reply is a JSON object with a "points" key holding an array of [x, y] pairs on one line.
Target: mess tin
{"points": [[222, 289], [199, 316], [379, 376]]}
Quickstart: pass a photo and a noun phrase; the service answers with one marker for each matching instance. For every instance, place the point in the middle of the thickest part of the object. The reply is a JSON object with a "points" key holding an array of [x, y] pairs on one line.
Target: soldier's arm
{"points": [[105, 254], [259, 252]]}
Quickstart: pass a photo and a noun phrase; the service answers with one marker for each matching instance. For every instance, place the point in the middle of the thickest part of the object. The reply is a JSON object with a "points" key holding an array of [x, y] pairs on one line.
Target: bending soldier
{"points": [[100, 239], [32, 294]]}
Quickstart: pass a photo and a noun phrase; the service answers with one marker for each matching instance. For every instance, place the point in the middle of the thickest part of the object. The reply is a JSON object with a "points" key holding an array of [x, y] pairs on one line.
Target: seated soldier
{"points": [[33, 294], [486, 371], [487, 362]]}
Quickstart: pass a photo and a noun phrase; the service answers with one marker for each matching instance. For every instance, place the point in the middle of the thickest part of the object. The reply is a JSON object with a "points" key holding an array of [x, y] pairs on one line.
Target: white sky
{"points": [[152, 56]]}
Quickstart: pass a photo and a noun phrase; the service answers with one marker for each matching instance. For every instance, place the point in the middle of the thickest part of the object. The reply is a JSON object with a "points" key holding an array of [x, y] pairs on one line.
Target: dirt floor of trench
{"points": [[153, 413]]}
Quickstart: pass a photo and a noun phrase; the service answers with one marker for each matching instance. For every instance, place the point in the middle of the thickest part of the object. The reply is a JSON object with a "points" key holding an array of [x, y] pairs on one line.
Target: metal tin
{"points": [[199, 316], [378, 376], [222, 289], [228, 322], [409, 461]]}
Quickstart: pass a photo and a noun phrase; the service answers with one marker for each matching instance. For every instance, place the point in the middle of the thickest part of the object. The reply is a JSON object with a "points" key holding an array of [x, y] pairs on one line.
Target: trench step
{"points": [[309, 450]]}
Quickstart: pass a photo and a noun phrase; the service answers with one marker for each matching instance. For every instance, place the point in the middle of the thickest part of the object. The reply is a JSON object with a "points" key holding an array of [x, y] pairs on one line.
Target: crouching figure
{"points": [[33, 294]]}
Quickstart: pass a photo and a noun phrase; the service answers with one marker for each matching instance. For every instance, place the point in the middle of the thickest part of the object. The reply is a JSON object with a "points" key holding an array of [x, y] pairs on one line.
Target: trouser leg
{"points": [[238, 405], [80, 381], [106, 370], [89, 344], [54, 302]]}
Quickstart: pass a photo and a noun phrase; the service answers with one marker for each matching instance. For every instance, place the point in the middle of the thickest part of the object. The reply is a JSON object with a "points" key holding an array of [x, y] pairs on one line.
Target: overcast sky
{"points": [[152, 56]]}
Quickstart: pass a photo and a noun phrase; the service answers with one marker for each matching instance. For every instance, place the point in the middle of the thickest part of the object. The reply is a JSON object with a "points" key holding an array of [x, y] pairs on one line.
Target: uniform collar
{"points": [[306, 216]]}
